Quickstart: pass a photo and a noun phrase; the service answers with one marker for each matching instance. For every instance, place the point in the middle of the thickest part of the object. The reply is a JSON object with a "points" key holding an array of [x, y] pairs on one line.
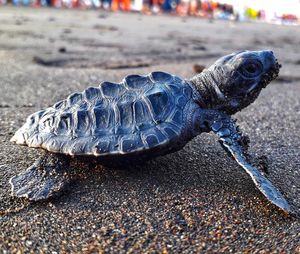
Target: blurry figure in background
{"points": [[146, 7], [193, 8], [137, 6], [96, 4], [183, 7], [289, 19], [239, 12], [188, 7], [205, 8], [261, 15], [35, 3], [115, 5], [67, 3], [225, 11], [251, 13], [76, 3], [106, 4], [26, 2], [208, 9], [56, 3], [123, 5], [126, 5], [170, 5], [85, 4], [155, 7], [152, 6]]}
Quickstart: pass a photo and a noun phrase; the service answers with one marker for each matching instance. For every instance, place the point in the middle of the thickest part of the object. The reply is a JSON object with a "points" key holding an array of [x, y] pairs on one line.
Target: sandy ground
{"points": [[197, 200]]}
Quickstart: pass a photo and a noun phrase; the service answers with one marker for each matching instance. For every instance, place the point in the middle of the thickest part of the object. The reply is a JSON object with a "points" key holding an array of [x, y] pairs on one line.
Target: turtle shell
{"points": [[138, 114]]}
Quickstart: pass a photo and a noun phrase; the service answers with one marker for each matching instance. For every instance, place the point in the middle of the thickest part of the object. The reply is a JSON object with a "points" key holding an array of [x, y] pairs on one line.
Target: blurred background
{"points": [[275, 11]]}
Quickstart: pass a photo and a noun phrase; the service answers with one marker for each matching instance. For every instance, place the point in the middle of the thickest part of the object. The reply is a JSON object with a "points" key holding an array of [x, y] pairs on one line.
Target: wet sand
{"points": [[196, 200]]}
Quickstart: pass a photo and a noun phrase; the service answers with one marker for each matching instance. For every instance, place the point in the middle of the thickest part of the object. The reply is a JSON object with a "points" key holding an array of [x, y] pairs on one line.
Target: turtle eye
{"points": [[252, 69]]}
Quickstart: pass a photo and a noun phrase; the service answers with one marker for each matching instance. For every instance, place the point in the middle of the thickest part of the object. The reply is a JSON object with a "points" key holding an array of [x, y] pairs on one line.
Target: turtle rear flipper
{"points": [[47, 177]]}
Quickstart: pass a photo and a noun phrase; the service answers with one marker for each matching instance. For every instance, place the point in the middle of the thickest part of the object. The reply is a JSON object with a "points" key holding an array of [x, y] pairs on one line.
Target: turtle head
{"points": [[238, 78]]}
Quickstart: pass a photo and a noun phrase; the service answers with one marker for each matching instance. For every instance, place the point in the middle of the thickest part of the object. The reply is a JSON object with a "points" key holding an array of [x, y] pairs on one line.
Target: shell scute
{"points": [[138, 82], [92, 93], [59, 105], [177, 118], [65, 123], [104, 118], [101, 103], [34, 118], [141, 112], [159, 76], [152, 140], [79, 147], [112, 89], [47, 123], [52, 144], [83, 106], [181, 101], [36, 140], [143, 126], [175, 89], [153, 137], [83, 122], [187, 91], [126, 114], [102, 147], [75, 98], [160, 102], [131, 143], [170, 130]]}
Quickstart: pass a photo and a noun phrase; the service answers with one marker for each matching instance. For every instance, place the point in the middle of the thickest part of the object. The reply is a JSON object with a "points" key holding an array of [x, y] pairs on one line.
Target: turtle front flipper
{"points": [[47, 177], [235, 144]]}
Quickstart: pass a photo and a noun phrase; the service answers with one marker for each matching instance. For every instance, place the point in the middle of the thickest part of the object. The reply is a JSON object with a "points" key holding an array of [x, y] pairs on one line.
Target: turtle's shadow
{"points": [[205, 167]]}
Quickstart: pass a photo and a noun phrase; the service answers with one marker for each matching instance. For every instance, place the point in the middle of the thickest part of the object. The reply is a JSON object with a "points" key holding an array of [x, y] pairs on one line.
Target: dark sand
{"points": [[196, 200]]}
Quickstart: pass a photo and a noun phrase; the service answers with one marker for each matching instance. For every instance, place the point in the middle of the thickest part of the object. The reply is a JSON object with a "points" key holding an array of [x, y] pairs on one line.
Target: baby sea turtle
{"points": [[143, 117]]}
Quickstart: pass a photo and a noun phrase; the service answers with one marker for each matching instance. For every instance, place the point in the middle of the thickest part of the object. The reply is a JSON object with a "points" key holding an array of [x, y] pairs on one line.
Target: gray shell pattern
{"points": [[140, 113]]}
